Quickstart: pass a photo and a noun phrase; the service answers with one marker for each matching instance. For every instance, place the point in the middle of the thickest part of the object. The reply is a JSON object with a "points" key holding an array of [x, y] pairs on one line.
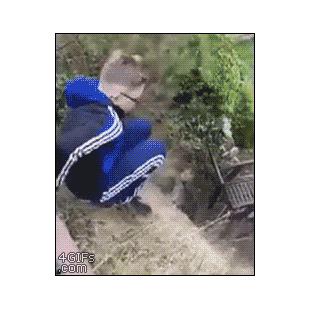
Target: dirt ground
{"points": [[163, 243]]}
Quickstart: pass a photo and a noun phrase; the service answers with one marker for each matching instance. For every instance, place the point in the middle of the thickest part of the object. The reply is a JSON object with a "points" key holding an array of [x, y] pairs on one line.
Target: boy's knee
{"points": [[144, 125], [156, 147], [140, 125]]}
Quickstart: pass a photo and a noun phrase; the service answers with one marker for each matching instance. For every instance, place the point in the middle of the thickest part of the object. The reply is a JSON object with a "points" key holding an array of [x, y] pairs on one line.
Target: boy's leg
{"points": [[132, 170]]}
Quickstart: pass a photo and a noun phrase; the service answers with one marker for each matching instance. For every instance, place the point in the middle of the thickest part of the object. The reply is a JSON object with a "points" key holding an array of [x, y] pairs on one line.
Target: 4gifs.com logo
{"points": [[74, 262]]}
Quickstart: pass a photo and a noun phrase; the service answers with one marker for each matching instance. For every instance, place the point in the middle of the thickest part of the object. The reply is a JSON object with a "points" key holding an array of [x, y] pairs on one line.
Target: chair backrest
{"points": [[239, 191]]}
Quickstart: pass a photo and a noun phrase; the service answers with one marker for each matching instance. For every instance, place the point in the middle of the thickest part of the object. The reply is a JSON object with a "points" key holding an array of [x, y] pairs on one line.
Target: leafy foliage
{"points": [[60, 97], [217, 89]]}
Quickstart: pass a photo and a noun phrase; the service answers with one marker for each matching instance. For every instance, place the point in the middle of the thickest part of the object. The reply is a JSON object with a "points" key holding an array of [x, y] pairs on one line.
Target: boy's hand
{"points": [[124, 103]]}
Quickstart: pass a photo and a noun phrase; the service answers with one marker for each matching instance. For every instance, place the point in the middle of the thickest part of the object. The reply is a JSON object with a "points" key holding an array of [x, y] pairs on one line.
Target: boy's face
{"points": [[122, 80]]}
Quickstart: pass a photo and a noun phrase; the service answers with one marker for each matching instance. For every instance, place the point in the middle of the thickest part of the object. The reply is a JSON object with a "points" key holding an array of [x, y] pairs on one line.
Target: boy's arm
{"points": [[91, 123]]}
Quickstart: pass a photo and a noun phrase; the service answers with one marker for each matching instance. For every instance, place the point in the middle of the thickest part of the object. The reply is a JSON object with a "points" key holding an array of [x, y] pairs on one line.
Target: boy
{"points": [[101, 155]]}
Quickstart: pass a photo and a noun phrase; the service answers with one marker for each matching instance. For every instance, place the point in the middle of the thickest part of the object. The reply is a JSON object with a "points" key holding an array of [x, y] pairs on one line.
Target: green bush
{"points": [[216, 89]]}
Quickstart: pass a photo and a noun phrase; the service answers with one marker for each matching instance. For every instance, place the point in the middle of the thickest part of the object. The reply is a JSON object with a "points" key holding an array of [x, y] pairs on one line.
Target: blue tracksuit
{"points": [[100, 157]]}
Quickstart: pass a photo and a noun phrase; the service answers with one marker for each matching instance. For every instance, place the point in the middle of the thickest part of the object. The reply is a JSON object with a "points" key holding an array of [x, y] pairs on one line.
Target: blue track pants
{"points": [[139, 157]]}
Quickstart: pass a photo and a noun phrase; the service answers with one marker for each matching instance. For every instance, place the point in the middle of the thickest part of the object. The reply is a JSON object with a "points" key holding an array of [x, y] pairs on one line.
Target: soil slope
{"points": [[163, 243]]}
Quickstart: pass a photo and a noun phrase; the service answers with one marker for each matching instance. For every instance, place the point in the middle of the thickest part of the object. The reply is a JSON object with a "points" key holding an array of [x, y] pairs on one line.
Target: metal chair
{"points": [[237, 189]]}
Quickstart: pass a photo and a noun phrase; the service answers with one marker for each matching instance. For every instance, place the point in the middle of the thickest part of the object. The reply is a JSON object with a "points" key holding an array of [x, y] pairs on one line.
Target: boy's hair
{"points": [[122, 73]]}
